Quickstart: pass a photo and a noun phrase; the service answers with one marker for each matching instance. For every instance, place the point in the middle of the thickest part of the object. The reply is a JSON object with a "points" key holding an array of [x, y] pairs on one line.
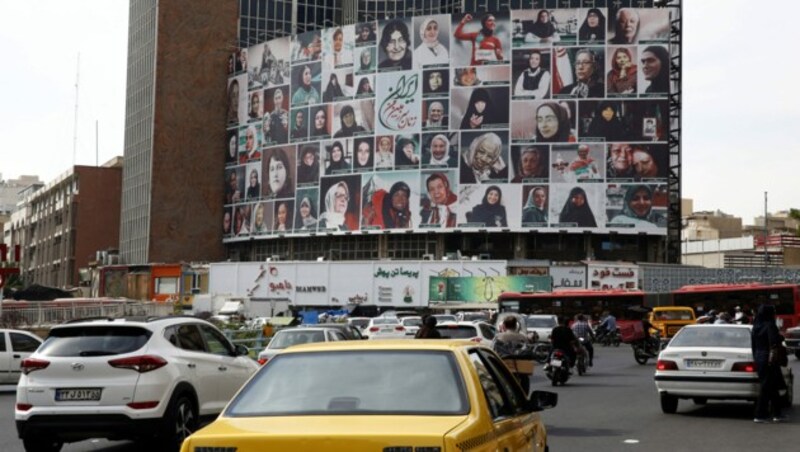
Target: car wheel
{"points": [[179, 422], [669, 403], [42, 444], [699, 400]]}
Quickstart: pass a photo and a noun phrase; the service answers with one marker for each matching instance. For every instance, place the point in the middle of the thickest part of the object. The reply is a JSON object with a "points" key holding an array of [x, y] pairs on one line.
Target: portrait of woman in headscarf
{"points": [[308, 169], [431, 51], [349, 126], [490, 212], [593, 28], [621, 79], [333, 91], [483, 160], [480, 110], [304, 219], [577, 211], [337, 213], [637, 209], [535, 209]]}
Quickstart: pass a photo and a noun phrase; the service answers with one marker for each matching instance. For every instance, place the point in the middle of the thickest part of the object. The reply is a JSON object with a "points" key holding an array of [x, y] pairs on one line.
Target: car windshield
{"points": [[94, 340], [457, 331], [540, 322], [385, 321], [361, 323], [288, 338], [412, 321], [355, 382], [712, 337]]}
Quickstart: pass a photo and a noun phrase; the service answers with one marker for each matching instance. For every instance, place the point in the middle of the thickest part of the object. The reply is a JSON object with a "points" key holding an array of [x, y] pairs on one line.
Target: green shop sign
{"points": [[480, 289]]}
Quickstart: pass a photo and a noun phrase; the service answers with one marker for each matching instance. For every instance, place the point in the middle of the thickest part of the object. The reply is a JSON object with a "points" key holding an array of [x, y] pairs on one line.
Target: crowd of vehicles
{"points": [[631, 305], [156, 380]]}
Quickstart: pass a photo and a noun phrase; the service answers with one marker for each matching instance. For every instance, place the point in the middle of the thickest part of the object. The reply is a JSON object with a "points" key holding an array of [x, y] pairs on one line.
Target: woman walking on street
{"points": [[765, 342]]}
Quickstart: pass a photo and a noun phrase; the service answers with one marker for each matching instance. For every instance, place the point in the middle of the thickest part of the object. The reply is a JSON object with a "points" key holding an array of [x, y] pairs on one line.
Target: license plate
{"points": [[555, 362], [78, 394], [703, 363]]}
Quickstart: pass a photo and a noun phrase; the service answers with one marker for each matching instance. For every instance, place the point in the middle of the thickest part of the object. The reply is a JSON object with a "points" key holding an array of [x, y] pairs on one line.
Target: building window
{"points": [[167, 285]]}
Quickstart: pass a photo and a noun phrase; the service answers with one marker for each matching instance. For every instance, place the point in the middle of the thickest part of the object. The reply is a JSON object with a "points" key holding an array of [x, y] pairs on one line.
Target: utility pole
{"points": [[766, 231]]}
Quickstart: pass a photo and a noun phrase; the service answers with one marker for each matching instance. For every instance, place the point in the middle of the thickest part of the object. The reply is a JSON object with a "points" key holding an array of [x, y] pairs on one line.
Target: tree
{"points": [[795, 213]]}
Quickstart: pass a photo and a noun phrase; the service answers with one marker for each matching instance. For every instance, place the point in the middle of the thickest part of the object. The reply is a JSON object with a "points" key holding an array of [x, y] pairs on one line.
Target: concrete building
{"points": [[61, 226], [710, 226], [176, 103], [10, 194]]}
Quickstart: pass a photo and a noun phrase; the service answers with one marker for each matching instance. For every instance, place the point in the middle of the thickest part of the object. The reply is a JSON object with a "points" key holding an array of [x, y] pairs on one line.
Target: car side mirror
{"points": [[542, 400], [241, 350]]}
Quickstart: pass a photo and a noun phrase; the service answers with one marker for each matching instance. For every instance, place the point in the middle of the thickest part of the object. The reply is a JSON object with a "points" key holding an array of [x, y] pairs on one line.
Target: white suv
{"points": [[152, 380]]}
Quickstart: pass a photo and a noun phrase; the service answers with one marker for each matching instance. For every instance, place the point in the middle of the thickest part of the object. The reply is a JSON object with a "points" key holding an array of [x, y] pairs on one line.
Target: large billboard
{"points": [[552, 119]]}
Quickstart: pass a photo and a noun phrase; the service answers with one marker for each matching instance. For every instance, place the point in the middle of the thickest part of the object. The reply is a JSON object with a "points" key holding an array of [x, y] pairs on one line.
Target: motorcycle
{"points": [[608, 338], [646, 348], [580, 363], [541, 351], [557, 368]]}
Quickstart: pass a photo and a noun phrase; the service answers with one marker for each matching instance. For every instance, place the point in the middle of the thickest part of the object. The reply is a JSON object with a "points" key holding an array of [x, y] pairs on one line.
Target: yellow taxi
{"points": [[668, 320], [384, 396]]}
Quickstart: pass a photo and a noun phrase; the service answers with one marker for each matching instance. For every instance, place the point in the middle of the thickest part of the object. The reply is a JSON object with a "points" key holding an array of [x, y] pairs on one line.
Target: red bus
{"points": [[623, 304], [725, 298]]}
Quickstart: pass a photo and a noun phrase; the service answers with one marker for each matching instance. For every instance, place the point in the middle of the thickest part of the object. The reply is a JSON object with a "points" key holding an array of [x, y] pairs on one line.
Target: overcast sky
{"points": [[741, 102]]}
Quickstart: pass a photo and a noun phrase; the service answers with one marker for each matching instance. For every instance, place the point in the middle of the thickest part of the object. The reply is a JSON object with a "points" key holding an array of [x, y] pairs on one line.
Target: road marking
{"points": [[631, 441]]}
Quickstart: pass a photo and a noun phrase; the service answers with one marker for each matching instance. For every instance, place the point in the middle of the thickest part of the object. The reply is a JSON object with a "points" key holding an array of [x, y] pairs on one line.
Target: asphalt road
{"points": [[613, 408]]}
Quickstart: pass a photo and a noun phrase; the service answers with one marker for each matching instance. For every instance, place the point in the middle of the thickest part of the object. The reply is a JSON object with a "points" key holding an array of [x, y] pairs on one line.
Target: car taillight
{"points": [[399, 328], [744, 367], [262, 361], [143, 405], [374, 329], [24, 406], [664, 364], [141, 364], [29, 365]]}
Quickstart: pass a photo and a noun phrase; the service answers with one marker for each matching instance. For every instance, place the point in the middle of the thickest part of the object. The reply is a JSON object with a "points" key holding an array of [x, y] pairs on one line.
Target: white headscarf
{"points": [[331, 217], [443, 160], [498, 164]]}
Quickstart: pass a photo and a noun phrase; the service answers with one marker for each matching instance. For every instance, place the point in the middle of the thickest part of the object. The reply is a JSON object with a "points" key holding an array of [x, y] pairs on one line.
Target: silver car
{"points": [[705, 362]]}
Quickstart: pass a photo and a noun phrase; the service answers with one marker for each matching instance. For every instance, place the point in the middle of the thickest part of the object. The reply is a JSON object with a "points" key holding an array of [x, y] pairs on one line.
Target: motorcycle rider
{"points": [[650, 341], [583, 330], [564, 339], [608, 325], [511, 332], [510, 341]]}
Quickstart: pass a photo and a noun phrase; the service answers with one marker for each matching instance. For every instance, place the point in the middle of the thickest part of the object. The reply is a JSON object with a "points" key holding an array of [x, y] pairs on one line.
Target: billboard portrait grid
{"points": [[544, 119]]}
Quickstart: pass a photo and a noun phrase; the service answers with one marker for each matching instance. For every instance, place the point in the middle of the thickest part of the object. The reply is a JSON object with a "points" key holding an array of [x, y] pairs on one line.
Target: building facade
{"points": [[61, 226], [174, 104]]}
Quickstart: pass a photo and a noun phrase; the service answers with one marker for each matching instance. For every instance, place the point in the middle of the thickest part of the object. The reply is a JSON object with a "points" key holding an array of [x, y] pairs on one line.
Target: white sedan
{"points": [[480, 332], [284, 339], [385, 328], [710, 362], [411, 324]]}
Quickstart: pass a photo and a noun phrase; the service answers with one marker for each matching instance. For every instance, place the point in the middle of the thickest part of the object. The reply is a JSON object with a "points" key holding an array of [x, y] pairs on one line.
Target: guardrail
{"points": [[42, 314]]}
